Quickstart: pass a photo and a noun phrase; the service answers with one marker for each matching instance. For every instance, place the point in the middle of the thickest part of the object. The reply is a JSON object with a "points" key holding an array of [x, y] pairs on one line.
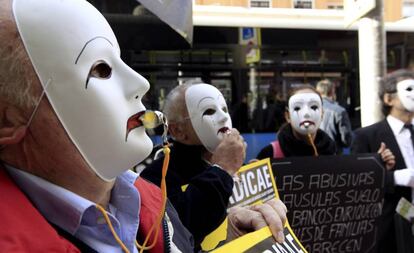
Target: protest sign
{"points": [[255, 185], [334, 202], [263, 242]]}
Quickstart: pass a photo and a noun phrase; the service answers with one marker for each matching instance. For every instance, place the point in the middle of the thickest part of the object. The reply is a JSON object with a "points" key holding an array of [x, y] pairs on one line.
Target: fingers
{"points": [[387, 155], [242, 220], [382, 148], [274, 215], [271, 213]]}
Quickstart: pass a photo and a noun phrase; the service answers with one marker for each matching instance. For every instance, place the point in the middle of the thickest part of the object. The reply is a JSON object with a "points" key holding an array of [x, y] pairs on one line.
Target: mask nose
{"points": [[223, 117], [134, 85], [306, 113]]}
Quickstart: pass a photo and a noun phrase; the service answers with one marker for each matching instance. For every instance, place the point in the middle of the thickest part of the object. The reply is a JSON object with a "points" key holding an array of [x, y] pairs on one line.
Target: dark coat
{"points": [[368, 140], [202, 205]]}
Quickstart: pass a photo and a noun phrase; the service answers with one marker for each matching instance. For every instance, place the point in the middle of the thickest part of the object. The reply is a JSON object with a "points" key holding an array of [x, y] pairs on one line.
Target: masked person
{"points": [[69, 132], [396, 131], [205, 152], [301, 135]]}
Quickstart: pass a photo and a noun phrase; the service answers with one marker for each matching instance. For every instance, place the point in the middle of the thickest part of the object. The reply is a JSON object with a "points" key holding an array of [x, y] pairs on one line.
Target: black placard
{"points": [[334, 202]]}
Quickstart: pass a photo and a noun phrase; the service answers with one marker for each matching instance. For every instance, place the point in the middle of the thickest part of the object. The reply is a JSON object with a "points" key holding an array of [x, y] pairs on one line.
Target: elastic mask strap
{"points": [[38, 103]]}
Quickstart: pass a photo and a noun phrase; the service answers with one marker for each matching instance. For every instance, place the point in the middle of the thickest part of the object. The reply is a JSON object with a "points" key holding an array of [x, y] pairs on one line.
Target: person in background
{"points": [[275, 112], [240, 115], [396, 131], [335, 121], [70, 129], [301, 135], [205, 153]]}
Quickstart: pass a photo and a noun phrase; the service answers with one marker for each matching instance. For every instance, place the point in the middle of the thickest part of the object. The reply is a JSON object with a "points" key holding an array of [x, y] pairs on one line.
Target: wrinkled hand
{"points": [[387, 156], [243, 220], [404, 177], [231, 152]]}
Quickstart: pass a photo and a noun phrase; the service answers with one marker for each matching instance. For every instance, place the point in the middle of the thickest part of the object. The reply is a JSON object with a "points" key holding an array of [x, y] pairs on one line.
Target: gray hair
{"points": [[16, 71], [174, 106]]}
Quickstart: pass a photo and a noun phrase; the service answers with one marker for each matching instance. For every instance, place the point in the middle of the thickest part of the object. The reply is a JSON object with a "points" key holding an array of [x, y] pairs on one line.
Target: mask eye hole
{"points": [[314, 107], [100, 69], [225, 109], [296, 108], [209, 112], [409, 89]]}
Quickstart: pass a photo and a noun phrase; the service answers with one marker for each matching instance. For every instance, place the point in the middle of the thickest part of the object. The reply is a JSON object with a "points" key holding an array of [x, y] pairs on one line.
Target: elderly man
{"points": [[199, 179], [206, 151], [69, 131]]}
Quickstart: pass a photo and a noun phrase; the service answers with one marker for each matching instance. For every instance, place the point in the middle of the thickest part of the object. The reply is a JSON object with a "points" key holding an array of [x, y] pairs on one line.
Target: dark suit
{"points": [[368, 140]]}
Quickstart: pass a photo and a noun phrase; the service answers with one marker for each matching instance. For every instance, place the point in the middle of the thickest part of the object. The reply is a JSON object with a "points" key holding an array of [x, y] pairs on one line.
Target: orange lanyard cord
{"points": [[157, 224], [108, 221], [315, 150]]}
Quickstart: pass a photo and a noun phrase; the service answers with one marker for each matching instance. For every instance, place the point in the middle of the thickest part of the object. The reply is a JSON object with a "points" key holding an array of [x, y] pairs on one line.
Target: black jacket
{"points": [[202, 206], [368, 140], [294, 147]]}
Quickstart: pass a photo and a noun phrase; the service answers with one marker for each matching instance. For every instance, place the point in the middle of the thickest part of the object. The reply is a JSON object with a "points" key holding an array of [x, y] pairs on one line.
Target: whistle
{"points": [[152, 119]]}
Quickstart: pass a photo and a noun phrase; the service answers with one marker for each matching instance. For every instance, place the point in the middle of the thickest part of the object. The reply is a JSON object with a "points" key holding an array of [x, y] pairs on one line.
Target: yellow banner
{"points": [[256, 185]]}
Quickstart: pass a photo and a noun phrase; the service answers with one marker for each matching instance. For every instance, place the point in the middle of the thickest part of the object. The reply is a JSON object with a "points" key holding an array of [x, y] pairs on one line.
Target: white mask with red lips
{"points": [[305, 110], [405, 91], [92, 91], [208, 113]]}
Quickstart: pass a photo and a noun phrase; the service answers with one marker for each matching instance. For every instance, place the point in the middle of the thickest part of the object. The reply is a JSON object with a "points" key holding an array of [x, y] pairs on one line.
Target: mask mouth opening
{"points": [[148, 119], [133, 122], [223, 130], [307, 123]]}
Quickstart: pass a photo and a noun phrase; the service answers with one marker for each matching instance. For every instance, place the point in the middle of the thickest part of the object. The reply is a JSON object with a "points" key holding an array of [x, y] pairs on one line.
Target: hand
{"points": [[231, 152], [247, 219], [404, 177], [387, 156]]}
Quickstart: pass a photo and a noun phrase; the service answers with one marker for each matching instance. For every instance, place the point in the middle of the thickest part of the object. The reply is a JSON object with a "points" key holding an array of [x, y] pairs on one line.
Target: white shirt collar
{"points": [[60, 206], [396, 124]]}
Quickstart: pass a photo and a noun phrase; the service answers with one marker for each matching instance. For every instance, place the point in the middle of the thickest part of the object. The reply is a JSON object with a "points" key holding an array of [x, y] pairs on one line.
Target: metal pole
{"points": [[253, 89], [372, 63]]}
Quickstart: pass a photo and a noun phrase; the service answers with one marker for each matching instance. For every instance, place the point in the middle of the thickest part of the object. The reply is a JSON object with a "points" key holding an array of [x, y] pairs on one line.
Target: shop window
{"points": [[408, 8], [302, 4], [260, 3]]}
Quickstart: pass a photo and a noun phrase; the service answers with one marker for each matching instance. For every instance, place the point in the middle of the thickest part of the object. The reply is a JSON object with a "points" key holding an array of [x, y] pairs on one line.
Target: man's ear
{"points": [[176, 131], [12, 125], [387, 99]]}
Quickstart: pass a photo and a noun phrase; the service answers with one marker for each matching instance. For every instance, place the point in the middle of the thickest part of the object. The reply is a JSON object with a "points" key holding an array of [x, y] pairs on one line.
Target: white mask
{"points": [[64, 40], [405, 91], [208, 114], [305, 111]]}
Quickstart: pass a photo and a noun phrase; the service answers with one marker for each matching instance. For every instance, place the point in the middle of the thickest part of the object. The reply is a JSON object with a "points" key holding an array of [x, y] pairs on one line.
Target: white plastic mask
{"points": [[305, 110], [65, 40], [208, 113], [405, 91]]}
